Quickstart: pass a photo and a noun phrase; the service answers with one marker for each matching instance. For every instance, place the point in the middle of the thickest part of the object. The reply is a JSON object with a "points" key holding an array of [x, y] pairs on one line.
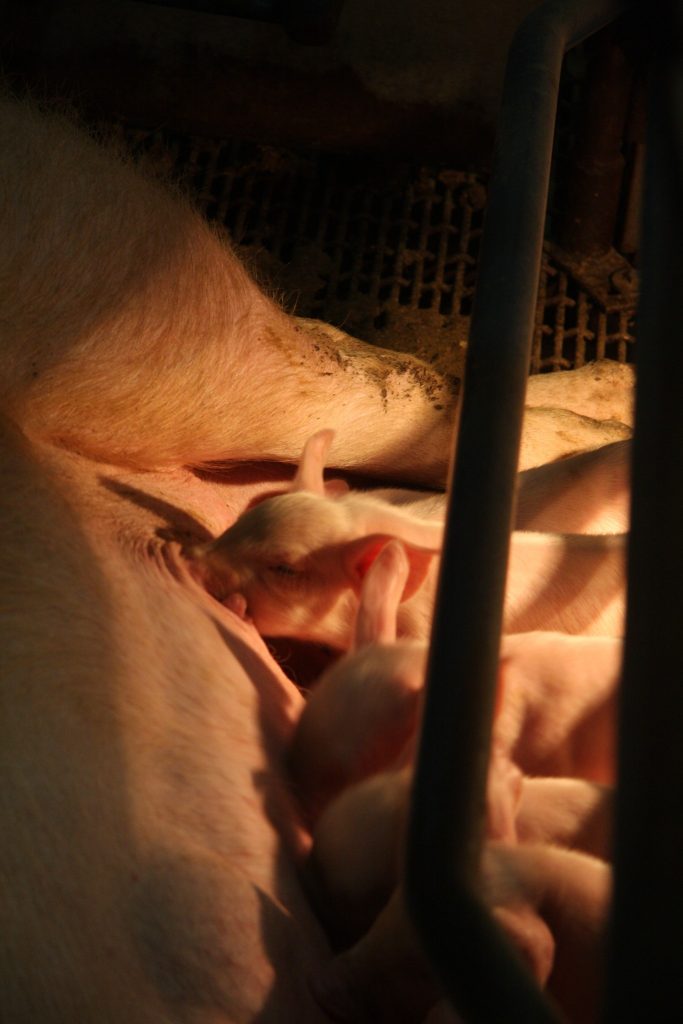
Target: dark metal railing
{"points": [[644, 977], [482, 974]]}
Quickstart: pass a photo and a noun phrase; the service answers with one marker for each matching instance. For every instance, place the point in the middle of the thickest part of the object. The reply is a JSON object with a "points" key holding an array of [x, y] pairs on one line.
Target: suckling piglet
{"points": [[299, 559], [295, 564], [551, 903]]}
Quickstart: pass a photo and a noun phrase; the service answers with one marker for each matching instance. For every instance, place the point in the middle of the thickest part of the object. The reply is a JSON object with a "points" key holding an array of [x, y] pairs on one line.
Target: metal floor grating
{"points": [[387, 253]]}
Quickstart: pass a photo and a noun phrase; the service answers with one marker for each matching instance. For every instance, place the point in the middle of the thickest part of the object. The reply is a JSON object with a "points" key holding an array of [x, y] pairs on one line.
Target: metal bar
{"points": [[644, 976], [483, 977], [597, 165]]}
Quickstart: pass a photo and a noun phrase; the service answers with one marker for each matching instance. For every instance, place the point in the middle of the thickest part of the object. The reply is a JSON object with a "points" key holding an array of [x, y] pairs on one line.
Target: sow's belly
{"points": [[219, 911], [148, 842]]}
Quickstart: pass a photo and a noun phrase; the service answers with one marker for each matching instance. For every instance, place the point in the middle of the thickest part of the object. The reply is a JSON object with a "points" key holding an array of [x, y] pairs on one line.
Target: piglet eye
{"points": [[282, 569], [286, 579]]}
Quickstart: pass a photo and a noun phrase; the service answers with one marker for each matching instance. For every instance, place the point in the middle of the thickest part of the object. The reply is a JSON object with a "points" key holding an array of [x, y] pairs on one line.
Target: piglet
{"points": [[298, 561], [570, 892], [384, 975], [299, 558], [556, 714]]}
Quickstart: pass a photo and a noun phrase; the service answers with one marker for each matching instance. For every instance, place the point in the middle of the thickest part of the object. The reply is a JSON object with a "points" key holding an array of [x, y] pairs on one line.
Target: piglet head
{"points": [[277, 556], [299, 560]]}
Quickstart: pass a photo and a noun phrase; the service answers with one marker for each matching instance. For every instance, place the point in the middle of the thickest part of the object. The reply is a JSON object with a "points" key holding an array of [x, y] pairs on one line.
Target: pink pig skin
{"points": [[558, 714], [551, 902], [151, 848], [587, 493], [150, 843], [567, 812]]}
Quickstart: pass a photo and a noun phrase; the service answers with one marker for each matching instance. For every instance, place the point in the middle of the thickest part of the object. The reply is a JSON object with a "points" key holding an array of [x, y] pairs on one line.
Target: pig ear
{"points": [[381, 594], [309, 475], [358, 556]]}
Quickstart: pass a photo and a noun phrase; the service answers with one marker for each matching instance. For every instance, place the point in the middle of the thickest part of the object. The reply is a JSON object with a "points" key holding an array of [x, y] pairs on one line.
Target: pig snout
{"points": [[237, 603], [212, 565]]}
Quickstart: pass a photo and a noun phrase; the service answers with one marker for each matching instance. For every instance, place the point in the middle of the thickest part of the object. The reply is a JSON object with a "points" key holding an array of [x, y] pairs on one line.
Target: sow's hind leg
{"points": [[133, 334]]}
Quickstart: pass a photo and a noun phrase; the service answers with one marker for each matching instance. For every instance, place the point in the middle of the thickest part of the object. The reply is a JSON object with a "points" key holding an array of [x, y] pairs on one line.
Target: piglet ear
{"points": [[309, 475], [380, 596], [358, 555]]}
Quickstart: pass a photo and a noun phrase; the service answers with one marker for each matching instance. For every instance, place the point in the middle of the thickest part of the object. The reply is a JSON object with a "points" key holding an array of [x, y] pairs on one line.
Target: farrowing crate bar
{"points": [[488, 984]]}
